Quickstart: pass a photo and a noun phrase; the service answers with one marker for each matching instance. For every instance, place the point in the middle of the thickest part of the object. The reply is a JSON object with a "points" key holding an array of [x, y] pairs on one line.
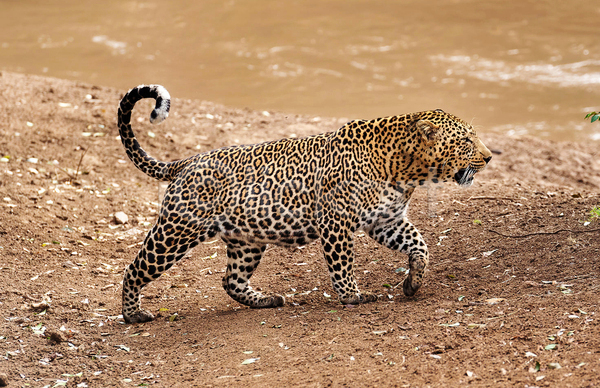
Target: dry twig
{"points": [[73, 178], [505, 198], [544, 233]]}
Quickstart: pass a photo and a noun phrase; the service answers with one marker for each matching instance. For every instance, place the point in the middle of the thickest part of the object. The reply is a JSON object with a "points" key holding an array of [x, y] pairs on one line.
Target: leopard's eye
{"points": [[467, 140]]}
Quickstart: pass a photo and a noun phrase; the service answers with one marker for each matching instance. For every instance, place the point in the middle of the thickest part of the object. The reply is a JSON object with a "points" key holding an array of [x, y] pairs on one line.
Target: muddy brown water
{"points": [[514, 67]]}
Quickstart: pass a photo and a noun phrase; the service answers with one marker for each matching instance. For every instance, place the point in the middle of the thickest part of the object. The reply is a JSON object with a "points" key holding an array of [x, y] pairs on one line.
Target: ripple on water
{"points": [[116, 46], [577, 74], [572, 130]]}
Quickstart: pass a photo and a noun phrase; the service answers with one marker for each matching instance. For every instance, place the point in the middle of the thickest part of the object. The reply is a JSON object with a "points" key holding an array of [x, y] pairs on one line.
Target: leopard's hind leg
{"points": [[185, 221], [242, 260], [164, 245]]}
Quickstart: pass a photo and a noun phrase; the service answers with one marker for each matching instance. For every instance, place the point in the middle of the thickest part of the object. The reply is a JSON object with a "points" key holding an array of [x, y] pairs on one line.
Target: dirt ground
{"points": [[510, 296]]}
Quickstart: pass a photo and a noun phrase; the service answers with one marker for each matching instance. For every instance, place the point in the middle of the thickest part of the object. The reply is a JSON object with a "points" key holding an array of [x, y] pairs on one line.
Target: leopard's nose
{"points": [[487, 160]]}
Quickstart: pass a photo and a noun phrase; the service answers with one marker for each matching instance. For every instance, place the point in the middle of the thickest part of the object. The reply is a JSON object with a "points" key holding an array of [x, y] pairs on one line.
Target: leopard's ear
{"points": [[428, 131]]}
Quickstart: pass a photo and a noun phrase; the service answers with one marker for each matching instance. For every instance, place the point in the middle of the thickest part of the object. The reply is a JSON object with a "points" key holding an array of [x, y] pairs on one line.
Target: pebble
{"points": [[3, 380], [56, 337], [121, 218]]}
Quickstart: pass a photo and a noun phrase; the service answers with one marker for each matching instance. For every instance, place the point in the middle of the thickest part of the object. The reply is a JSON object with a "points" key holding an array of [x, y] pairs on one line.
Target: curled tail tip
{"points": [[163, 104], [158, 115]]}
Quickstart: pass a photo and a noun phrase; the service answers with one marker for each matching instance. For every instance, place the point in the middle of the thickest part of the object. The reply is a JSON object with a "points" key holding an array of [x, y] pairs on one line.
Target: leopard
{"points": [[294, 191]]}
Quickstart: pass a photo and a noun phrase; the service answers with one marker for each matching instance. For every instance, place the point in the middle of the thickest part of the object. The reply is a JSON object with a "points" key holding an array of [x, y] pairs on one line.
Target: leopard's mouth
{"points": [[464, 176]]}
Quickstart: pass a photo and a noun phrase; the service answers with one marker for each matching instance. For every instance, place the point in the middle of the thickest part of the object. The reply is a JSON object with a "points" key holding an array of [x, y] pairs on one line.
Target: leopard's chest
{"points": [[390, 207]]}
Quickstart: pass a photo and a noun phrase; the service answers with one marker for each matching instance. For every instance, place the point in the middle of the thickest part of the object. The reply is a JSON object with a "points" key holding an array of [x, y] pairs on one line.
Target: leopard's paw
{"points": [[409, 287], [138, 317], [367, 297], [276, 301], [268, 302], [359, 298]]}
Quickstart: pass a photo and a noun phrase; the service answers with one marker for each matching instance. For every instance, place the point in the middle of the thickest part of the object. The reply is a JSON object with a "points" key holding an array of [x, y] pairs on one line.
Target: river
{"points": [[515, 67]]}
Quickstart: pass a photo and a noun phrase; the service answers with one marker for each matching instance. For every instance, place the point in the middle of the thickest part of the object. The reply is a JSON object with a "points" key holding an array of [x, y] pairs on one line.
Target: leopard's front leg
{"points": [[338, 251], [404, 237]]}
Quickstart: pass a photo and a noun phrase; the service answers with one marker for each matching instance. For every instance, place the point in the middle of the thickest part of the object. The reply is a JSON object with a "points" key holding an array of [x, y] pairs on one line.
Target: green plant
{"points": [[594, 214], [594, 115]]}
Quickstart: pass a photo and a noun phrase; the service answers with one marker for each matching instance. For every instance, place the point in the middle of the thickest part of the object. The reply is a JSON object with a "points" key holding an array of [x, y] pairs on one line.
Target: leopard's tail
{"points": [[151, 166]]}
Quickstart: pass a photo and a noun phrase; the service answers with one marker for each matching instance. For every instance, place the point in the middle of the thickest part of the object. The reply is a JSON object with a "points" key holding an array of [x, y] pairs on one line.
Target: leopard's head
{"points": [[451, 149]]}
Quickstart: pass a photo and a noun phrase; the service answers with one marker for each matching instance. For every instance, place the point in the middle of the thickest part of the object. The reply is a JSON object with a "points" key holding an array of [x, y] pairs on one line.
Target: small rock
{"points": [[3, 380], [40, 306], [56, 337], [554, 365], [121, 218]]}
